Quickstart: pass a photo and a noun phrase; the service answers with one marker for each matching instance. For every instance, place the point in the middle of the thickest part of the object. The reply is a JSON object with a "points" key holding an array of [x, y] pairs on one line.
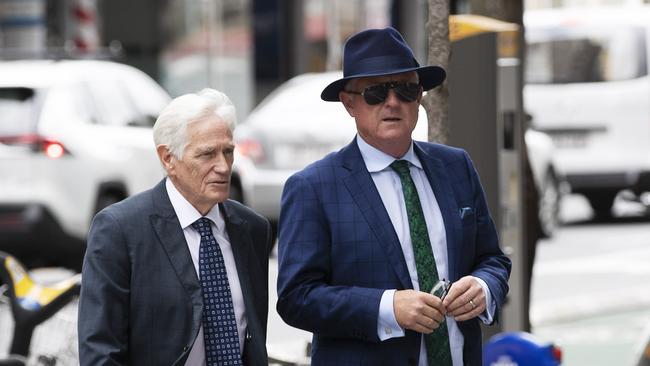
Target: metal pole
{"points": [[333, 36], [208, 21]]}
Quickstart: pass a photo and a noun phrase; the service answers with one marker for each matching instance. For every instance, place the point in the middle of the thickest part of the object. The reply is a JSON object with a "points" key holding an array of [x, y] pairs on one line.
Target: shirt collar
{"points": [[377, 160], [186, 213]]}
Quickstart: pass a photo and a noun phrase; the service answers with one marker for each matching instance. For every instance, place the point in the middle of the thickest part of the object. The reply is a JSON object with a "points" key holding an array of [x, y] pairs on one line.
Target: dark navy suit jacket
{"points": [[338, 252], [141, 301]]}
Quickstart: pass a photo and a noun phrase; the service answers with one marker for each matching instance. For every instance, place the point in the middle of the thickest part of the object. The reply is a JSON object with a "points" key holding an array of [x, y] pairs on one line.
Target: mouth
{"points": [[218, 182], [391, 119]]}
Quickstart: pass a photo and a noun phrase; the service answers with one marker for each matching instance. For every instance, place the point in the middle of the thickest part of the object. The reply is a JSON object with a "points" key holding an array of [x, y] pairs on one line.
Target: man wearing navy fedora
{"points": [[366, 233]]}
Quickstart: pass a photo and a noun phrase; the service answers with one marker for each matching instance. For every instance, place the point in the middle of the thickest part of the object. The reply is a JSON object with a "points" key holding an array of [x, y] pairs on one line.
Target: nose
{"points": [[392, 98], [221, 165]]}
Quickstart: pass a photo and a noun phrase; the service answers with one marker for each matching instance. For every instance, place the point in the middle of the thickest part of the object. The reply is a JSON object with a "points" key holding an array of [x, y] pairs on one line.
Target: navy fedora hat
{"points": [[376, 52]]}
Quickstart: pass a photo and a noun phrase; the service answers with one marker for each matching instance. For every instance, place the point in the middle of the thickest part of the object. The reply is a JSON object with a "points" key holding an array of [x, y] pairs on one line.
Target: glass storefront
{"points": [[210, 45]]}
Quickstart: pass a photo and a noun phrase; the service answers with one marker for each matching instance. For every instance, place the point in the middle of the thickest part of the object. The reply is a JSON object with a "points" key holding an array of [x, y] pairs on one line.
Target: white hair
{"points": [[171, 126]]}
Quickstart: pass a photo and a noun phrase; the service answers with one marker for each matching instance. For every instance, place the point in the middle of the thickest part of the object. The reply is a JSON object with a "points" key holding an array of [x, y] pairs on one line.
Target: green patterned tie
{"points": [[437, 343]]}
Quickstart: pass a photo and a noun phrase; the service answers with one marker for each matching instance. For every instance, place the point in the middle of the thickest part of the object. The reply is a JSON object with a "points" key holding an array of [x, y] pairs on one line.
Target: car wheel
{"points": [[549, 205], [73, 257], [236, 193], [601, 203], [107, 199]]}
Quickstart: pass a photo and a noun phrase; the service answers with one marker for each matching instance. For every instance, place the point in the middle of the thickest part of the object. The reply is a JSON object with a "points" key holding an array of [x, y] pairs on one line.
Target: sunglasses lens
{"points": [[375, 94], [408, 92]]}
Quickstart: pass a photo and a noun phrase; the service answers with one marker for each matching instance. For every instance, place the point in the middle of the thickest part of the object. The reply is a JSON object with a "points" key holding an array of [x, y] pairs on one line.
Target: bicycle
{"points": [[31, 303]]}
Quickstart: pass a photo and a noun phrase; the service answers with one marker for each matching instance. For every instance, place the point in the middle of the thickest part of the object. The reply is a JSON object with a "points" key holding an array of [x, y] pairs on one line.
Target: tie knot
{"points": [[401, 167], [201, 225]]}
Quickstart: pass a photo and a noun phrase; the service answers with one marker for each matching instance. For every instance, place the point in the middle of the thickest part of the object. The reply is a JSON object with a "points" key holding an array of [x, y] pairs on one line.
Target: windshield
{"points": [[582, 54], [17, 111]]}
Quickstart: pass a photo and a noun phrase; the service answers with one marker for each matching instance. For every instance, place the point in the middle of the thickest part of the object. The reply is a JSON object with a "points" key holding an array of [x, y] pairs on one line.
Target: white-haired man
{"points": [[178, 275]]}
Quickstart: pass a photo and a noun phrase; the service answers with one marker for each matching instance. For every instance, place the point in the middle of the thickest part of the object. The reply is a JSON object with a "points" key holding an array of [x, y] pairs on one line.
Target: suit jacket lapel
{"points": [[241, 244], [170, 235], [362, 188], [442, 189]]}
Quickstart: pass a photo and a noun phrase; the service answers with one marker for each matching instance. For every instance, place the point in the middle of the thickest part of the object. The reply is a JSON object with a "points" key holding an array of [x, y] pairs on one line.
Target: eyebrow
{"points": [[205, 149], [210, 149]]}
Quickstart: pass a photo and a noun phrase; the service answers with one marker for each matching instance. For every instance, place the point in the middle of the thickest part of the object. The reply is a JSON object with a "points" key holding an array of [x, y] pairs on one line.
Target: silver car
{"points": [[291, 128]]}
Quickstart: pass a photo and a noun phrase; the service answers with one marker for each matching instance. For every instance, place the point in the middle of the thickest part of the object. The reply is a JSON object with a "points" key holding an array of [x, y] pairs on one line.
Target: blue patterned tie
{"points": [[437, 343], [219, 324]]}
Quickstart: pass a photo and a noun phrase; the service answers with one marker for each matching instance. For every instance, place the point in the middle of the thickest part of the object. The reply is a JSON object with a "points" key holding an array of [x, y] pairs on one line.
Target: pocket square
{"points": [[465, 211]]}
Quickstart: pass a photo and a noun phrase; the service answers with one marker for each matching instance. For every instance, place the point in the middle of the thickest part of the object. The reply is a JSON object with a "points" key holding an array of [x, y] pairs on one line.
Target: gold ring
{"points": [[472, 303]]}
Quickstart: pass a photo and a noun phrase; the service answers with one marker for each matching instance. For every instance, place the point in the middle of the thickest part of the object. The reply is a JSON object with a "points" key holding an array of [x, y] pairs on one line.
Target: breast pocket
{"points": [[467, 216], [466, 213]]}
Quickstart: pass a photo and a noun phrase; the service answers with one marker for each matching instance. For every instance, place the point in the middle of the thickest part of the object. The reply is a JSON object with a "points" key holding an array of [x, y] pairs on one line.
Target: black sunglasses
{"points": [[377, 94]]}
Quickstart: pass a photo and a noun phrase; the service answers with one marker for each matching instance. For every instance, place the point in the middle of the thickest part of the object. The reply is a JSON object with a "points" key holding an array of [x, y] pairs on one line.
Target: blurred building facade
{"points": [[41, 28], [243, 47], [248, 47]]}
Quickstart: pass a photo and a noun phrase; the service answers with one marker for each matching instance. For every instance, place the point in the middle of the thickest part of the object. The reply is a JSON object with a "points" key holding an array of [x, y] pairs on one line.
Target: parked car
{"points": [[293, 127], [75, 136], [541, 156], [587, 86], [289, 129], [642, 351]]}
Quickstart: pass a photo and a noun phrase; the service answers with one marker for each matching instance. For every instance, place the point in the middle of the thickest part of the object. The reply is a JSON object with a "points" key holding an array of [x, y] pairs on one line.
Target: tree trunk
{"points": [[436, 100]]}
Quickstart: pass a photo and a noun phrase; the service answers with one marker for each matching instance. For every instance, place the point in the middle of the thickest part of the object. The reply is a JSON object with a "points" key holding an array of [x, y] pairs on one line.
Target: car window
{"points": [[18, 110], [147, 97], [65, 103], [112, 103], [580, 54]]}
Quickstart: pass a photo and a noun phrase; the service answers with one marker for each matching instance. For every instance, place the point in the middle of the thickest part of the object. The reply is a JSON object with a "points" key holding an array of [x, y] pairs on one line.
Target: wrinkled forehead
{"points": [[365, 82], [208, 129]]}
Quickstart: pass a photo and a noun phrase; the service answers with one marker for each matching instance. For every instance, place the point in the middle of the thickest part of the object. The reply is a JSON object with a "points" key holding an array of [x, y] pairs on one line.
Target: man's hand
{"points": [[465, 300], [418, 311]]}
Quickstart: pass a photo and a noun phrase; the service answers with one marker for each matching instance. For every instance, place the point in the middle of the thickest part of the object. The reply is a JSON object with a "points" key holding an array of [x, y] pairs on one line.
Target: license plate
{"points": [[575, 140]]}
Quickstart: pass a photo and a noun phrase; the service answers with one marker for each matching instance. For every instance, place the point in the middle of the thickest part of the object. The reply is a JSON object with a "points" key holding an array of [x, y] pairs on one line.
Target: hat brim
{"points": [[430, 77]]}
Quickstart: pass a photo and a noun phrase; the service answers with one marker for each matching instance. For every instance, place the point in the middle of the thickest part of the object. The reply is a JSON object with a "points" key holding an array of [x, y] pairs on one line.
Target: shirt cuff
{"points": [[387, 326], [488, 314]]}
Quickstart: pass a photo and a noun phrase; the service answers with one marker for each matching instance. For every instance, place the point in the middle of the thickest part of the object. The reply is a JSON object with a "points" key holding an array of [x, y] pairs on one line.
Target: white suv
{"points": [[75, 136], [588, 87]]}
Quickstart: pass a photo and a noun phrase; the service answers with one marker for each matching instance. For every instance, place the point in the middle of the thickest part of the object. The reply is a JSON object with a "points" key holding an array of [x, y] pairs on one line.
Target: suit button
{"points": [[185, 348]]}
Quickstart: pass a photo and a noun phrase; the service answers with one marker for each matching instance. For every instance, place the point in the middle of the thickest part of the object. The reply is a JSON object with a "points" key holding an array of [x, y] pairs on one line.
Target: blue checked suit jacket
{"points": [[338, 252]]}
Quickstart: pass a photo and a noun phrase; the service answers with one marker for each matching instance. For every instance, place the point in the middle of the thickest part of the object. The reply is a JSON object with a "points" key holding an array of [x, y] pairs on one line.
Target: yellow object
{"points": [[467, 25], [27, 291]]}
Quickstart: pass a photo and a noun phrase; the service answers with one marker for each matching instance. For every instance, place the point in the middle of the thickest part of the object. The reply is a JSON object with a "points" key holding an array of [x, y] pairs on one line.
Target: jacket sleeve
{"points": [[490, 263], [306, 297], [104, 300]]}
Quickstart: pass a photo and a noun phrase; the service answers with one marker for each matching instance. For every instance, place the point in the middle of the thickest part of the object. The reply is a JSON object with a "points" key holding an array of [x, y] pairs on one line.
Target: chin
{"points": [[219, 197]]}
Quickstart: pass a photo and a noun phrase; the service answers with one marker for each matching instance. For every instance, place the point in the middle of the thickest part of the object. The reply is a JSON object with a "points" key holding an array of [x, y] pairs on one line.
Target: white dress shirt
{"points": [[187, 214], [389, 186]]}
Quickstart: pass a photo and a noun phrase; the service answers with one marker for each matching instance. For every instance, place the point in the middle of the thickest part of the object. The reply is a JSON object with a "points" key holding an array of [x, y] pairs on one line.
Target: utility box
{"points": [[486, 119]]}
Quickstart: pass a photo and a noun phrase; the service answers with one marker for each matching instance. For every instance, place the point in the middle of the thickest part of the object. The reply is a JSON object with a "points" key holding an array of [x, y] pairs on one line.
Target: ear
{"points": [[166, 158], [420, 95], [348, 102]]}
